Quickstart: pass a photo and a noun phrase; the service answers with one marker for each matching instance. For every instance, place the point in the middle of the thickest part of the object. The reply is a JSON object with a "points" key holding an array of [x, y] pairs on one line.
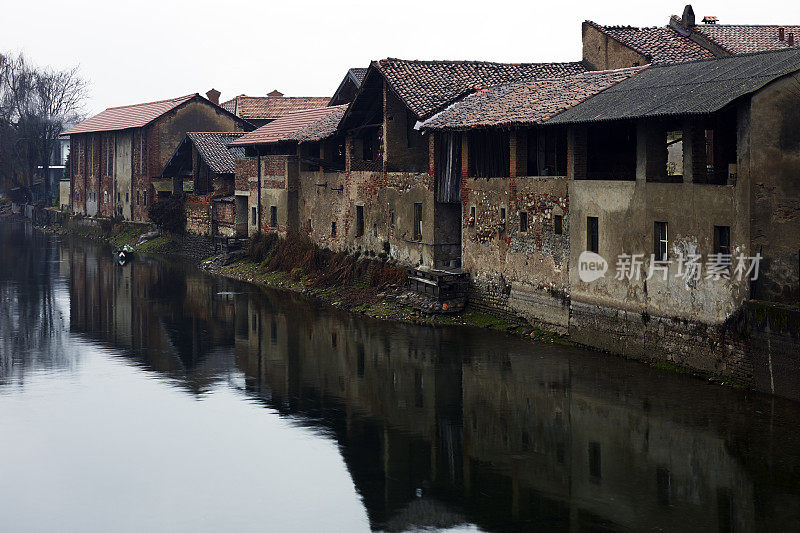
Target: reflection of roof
{"points": [[214, 151], [694, 87], [526, 102], [289, 126], [427, 86], [659, 45], [742, 38], [271, 107], [130, 116]]}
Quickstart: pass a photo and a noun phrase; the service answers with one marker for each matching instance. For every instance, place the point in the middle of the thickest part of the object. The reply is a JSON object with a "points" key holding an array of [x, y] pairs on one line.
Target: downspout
{"points": [[258, 196]]}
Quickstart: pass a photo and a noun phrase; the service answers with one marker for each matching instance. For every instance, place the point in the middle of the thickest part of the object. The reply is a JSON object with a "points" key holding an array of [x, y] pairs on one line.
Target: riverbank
{"points": [[382, 302], [744, 353]]}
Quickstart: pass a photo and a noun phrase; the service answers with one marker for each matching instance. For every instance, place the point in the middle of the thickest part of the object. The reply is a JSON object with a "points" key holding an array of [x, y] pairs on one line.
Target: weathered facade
{"points": [[118, 152]]}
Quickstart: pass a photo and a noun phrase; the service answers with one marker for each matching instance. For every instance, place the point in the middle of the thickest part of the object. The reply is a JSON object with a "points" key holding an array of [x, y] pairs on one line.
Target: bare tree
{"points": [[36, 105]]}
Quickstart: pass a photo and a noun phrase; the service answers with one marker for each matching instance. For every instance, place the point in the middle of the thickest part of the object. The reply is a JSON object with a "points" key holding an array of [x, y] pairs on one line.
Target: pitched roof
{"points": [[129, 116], [271, 107], [287, 127], [659, 45], [742, 39], [214, 151], [321, 128], [359, 73], [694, 87], [428, 86], [526, 102]]}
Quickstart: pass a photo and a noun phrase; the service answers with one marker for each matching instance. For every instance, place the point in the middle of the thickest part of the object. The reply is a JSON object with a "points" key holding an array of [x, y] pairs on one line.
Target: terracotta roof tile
{"points": [[272, 107], [428, 86], [359, 73], [742, 39], [321, 128], [213, 149], [130, 116], [290, 125], [661, 45], [526, 102]]}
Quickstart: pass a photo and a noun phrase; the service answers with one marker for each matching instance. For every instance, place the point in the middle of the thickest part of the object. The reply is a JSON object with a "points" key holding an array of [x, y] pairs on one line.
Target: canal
{"points": [[154, 397]]}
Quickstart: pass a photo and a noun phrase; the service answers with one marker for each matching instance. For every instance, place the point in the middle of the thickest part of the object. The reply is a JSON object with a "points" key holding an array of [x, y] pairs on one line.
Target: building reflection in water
{"points": [[441, 427]]}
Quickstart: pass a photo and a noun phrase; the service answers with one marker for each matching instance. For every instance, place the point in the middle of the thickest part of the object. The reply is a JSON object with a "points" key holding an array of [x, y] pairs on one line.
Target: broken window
{"points": [[714, 151], [722, 240], [547, 152], [369, 144], [558, 224], [412, 135], [489, 154], [523, 221], [675, 155], [418, 222], [660, 240], [611, 151], [273, 216], [359, 220], [448, 168], [592, 237]]}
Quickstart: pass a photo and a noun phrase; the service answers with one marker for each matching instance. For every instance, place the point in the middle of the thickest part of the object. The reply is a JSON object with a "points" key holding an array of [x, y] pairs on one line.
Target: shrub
{"points": [[169, 214]]}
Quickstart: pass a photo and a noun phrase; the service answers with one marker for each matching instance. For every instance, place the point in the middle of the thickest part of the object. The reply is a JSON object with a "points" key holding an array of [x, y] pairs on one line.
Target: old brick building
{"points": [[609, 47], [116, 153], [205, 162], [261, 110]]}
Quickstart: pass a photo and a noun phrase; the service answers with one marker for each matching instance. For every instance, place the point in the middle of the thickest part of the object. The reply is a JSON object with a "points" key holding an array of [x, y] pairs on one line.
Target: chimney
{"points": [[780, 34], [276, 92], [790, 41], [688, 16], [213, 96]]}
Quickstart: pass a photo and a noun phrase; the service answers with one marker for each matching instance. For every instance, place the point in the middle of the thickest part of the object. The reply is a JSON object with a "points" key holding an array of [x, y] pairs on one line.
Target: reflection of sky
{"points": [[112, 447]]}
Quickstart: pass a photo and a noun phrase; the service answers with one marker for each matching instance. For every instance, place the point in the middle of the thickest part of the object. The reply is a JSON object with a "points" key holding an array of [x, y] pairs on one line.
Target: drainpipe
{"points": [[258, 200]]}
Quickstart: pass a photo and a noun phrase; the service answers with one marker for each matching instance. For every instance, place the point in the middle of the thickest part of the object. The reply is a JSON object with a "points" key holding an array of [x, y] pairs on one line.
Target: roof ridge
{"points": [[155, 102], [794, 49], [473, 62]]}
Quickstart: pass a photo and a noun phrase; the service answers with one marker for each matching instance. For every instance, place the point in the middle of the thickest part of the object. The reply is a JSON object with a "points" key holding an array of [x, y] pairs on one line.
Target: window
{"points": [[595, 463], [411, 133], [138, 197], [503, 215], [660, 241], [558, 224], [547, 152], [308, 226], [333, 229], [674, 154], [144, 197], [472, 212], [418, 222], [126, 198], [359, 220], [722, 240], [489, 154], [591, 235], [369, 144], [523, 221], [611, 152], [118, 197], [253, 216], [273, 216], [375, 230], [391, 218]]}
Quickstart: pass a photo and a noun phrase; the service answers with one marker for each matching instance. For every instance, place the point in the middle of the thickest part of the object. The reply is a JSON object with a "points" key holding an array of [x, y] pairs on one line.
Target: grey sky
{"points": [[149, 50]]}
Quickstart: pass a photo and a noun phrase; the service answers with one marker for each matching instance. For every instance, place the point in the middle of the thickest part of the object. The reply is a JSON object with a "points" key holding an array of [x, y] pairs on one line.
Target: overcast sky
{"points": [[150, 50]]}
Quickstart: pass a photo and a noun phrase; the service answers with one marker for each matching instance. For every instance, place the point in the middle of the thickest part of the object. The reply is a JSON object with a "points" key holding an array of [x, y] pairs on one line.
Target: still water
{"points": [[153, 397]]}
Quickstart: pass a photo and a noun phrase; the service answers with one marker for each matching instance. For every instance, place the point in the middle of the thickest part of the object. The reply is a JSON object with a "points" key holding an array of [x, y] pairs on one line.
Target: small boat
{"points": [[124, 254]]}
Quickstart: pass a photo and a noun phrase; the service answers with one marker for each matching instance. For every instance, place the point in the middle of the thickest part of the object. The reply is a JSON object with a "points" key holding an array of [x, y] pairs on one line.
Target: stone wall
{"points": [[197, 210]]}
